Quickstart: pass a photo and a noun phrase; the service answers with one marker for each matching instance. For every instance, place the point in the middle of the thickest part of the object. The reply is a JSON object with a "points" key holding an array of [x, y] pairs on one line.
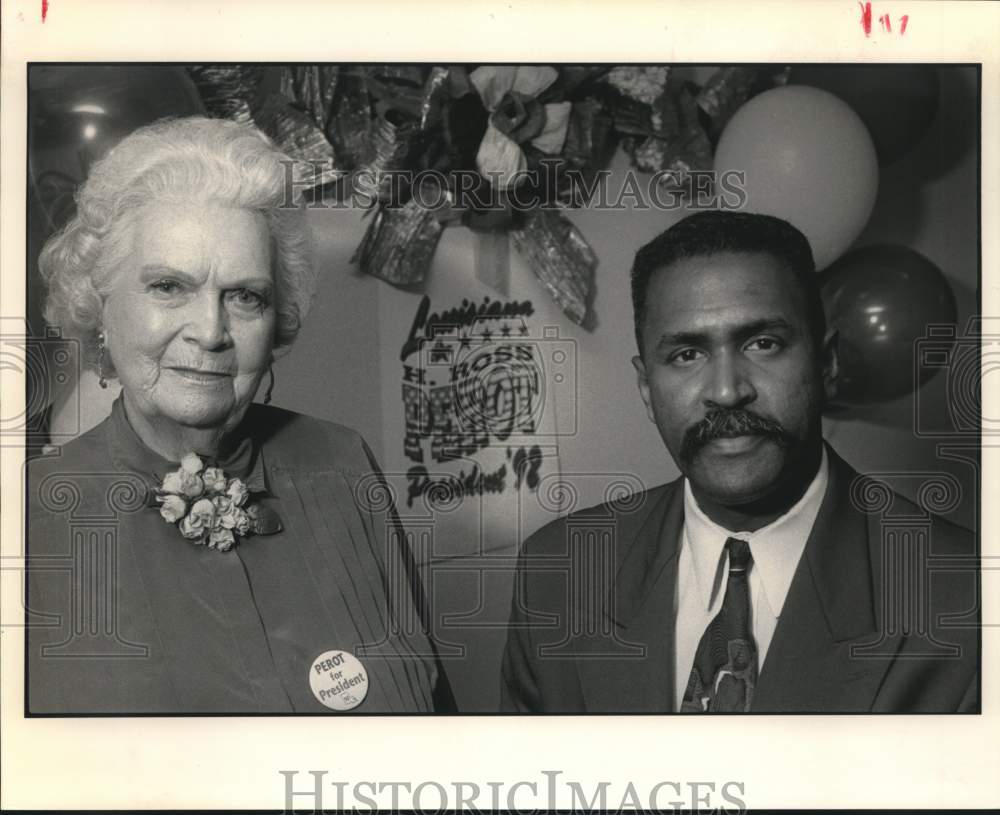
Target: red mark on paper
{"points": [[45, 9], [885, 20], [866, 18]]}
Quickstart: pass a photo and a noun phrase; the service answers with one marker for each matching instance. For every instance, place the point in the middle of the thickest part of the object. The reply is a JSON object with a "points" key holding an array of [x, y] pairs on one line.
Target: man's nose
{"points": [[208, 322], [729, 384]]}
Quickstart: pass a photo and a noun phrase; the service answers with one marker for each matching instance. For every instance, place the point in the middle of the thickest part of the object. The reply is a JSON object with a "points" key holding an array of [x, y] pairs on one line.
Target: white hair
{"points": [[190, 159]]}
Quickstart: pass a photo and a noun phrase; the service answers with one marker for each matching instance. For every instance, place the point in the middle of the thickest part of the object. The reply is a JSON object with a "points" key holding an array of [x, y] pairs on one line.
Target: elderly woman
{"points": [[197, 552]]}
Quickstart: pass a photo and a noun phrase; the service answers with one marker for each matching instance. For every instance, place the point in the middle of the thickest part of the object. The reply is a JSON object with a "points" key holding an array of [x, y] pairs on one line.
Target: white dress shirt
{"points": [[703, 571]]}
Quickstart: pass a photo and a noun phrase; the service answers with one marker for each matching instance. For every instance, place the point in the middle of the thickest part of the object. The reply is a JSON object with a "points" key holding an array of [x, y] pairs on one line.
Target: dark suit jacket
{"points": [[881, 615]]}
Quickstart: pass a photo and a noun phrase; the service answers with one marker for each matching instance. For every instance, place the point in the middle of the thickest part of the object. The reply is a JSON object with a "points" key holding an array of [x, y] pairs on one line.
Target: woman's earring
{"points": [[270, 387], [101, 378]]}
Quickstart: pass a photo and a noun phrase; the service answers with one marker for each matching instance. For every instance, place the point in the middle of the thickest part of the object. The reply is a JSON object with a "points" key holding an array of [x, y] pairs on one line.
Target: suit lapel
{"points": [[828, 611], [635, 671]]}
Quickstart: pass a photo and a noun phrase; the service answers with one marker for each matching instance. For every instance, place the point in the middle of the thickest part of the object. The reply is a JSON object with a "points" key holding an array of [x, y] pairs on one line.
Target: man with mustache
{"points": [[759, 581]]}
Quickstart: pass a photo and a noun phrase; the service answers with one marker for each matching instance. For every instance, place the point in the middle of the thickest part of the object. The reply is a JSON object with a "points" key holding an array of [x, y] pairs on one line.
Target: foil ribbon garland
{"points": [[392, 144], [398, 87], [665, 136], [729, 88], [673, 126], [588, 135], [434, 98], [589, 146], [408, 105], [722, 95], [644, 84], [290, 117], [297, 134], [312, 88], [376, 119], [227, 91], [399, 244], [349, 128], [562, 260], [680, 144]]}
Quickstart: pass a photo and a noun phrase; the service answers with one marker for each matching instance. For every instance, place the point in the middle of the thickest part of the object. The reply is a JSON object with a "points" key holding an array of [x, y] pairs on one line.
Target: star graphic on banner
{"points": [[505, 330], [524, 329], [486, 335], [464, 342], [440, 352]]}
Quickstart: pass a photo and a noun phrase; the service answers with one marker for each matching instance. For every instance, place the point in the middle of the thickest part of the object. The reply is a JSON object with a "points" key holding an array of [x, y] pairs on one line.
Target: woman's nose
{"points": [[729, 383], [208, 323]]}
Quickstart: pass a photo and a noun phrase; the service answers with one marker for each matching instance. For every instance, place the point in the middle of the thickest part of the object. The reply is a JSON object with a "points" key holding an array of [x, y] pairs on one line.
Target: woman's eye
{"points": [[248, 298], [166, 286]]}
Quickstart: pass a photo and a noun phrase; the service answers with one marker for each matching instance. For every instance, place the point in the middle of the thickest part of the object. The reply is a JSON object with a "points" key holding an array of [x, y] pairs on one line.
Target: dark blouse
{"points": [[127, 616]]}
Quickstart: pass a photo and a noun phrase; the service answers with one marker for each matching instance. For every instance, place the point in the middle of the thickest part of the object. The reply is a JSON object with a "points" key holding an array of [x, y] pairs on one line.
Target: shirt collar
{"points": [[776, 548], [129, 452]]}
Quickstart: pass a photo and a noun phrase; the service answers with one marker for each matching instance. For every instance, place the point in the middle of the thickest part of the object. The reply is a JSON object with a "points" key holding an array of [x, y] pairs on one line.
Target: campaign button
{"points": [[338, 680]]}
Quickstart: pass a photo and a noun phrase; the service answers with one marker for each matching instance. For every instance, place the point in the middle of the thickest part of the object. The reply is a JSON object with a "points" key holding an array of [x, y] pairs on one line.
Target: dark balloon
{"points": [[121, 96], [897, 103], [79, 112], [881, 299]]}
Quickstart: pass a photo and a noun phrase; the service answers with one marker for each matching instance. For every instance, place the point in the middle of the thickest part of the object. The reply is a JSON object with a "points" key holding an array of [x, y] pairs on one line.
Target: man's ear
{"points": [[831, 363], [643, 379]]}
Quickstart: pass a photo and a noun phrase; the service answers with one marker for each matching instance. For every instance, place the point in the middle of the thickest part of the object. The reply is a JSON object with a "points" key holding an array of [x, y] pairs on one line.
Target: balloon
{"points": [[881, 300], [807, 158], [897, 103], [79, 112]]}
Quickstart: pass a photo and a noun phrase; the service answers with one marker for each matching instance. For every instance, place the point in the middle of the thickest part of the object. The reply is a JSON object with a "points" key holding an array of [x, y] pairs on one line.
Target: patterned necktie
{"points": [[724, 673]]}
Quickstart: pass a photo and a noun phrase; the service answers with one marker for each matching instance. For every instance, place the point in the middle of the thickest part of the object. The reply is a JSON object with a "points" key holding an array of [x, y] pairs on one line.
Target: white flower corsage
{"points": [[208, 507]]}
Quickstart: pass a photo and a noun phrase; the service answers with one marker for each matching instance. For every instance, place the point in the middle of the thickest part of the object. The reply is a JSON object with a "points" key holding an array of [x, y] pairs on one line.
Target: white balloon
{"points": [[807, 158]]}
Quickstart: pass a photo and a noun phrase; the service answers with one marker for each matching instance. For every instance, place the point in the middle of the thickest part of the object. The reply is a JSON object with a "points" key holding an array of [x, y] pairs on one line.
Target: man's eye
{"points": [[685, 356], [764, 344]]}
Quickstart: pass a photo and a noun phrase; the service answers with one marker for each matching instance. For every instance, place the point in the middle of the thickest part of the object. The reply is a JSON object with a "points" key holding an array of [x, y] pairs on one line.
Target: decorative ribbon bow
{"points": [[517, 117]]}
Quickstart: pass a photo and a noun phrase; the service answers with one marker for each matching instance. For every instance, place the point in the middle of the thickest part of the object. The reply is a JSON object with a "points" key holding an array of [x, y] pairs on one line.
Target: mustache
{"points": [[723, 423]]}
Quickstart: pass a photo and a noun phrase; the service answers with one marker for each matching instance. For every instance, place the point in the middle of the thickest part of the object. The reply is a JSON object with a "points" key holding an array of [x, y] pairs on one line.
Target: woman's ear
{"points": [[102, 357]]}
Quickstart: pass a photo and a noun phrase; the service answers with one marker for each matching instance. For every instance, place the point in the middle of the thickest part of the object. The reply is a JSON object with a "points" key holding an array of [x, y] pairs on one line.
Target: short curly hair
{"points": [[189, 159]]}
